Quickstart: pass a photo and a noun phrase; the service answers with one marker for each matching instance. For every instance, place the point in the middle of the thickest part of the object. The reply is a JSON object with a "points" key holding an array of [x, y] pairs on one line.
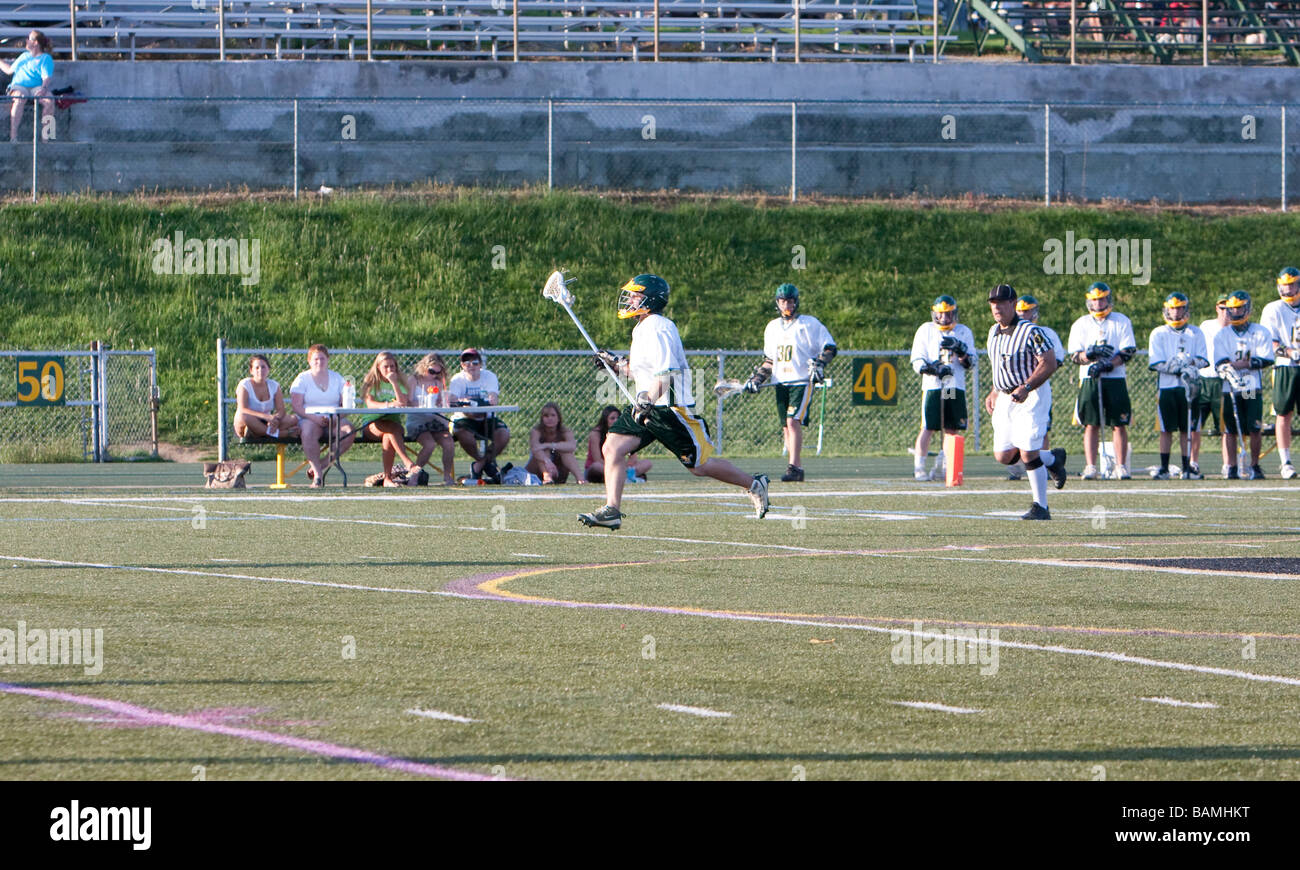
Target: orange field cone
{"points": [[955, 447]]}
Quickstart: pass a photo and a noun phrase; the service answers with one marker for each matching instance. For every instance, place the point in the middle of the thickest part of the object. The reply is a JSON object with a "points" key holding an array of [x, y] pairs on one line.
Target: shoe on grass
{"points": [[793, 474], [1160, 474], [1089, 472], [608, 517], [1037, 512], [758, 495], [1288, 471]]}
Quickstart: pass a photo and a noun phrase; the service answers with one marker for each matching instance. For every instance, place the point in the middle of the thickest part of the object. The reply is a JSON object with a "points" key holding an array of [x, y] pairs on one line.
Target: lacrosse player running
{"points": [[1021, 399], [1101, 342], [1177, 352], [796, 350], [663, 408], [1282, 318], [1209, 406], [1240, 352], [941, 355], [1027, 309]]}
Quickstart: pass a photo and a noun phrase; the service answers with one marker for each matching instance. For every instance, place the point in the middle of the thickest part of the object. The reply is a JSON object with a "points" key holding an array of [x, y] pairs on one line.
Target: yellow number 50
{"points": [[47, 386]]}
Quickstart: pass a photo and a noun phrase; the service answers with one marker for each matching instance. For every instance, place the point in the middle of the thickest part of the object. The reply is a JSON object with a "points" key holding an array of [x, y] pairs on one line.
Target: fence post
{"points": [[550, 144], [72, 16], [975, 391], [793, 143], [514, 23], [935, 34], [369, 29], [221, 29], [222, 447], [36, 130], [295, 148], [656, 31], [1074, 29], [155, 400], [1205, 32], [722, 373], [95, 409], [798, 29], [1047, 152]]}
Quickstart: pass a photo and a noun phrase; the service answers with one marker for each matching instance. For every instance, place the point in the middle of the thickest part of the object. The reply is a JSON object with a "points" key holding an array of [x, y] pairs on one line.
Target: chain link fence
{"points": [[1182, 153], [745, 425], [75, 405]]}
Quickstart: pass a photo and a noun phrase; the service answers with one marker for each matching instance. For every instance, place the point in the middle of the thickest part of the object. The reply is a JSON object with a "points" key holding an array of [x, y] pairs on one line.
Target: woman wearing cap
{"points": [[475, 385]]}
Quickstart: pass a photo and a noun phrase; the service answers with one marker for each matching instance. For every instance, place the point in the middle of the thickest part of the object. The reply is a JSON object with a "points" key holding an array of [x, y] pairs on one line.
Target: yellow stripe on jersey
{"points": [[695, 427]]}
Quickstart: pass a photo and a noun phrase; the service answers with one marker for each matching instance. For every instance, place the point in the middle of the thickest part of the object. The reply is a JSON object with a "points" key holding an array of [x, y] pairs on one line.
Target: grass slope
{"points": [[418, 272]]}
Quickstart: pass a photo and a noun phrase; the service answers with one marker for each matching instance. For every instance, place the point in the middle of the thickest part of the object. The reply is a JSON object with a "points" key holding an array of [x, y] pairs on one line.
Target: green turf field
{"points": [[290, 635]]}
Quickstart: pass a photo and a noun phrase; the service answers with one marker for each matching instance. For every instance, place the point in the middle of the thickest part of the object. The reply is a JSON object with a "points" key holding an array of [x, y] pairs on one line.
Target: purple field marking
{"points": [[316, 747]]}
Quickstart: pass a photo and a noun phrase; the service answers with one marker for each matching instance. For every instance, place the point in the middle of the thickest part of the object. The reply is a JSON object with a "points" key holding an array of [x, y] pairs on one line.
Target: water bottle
{"points": [[435, 397], [349, 394]]}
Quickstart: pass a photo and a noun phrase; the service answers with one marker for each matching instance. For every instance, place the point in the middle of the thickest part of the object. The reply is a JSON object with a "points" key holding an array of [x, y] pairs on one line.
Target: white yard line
{"points": [[938, 708], [446, 717], [705, 712], [1171, 702]]}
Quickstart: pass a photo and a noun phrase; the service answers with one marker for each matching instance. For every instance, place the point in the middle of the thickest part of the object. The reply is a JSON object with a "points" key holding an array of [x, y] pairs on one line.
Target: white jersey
{"points": [[1166, 343], [1231, 345], [792, 345], [1055, 339], [1115, 330], [1210, 330], [925, 348], [460, 387], [656, 351], [1283, 323]]}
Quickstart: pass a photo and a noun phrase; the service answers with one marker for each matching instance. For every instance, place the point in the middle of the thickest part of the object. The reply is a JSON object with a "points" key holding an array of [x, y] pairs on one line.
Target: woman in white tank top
{"points": [[261, 404]]}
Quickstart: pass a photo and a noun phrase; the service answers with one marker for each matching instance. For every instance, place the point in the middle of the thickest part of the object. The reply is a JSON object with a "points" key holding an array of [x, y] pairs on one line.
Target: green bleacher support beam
{"points": [[998, 23], [1129, 23], [1292, 56]]}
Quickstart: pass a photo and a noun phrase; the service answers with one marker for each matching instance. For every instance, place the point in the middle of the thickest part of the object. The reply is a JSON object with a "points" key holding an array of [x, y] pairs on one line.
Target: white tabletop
{"points": [[462, 409]]}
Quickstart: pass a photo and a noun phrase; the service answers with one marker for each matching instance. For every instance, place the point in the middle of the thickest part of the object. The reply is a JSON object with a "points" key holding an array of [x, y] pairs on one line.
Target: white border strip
{"points": [[938, 708], [695, 711], [1173, 702], [445, 717]]}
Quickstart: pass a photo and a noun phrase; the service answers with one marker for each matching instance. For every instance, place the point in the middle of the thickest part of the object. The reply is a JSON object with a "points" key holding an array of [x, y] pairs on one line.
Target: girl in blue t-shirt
{"points": [[31, 78]]}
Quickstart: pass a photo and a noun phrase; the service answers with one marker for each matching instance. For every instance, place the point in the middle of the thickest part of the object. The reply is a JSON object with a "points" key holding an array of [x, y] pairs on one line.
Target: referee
{"points": [[1023, 359]]}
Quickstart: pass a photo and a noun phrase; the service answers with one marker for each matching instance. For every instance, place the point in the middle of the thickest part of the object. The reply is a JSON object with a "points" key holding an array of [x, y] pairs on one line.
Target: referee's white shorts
{"points": [[1021, 425]]}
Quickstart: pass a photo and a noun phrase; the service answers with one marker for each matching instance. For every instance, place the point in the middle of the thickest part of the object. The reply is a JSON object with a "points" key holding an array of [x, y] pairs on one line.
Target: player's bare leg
{"points": [[1091, 440], [1119, 441], [794, 440], [1283, 432], [616, 449], [755, 484], [920, 451]]}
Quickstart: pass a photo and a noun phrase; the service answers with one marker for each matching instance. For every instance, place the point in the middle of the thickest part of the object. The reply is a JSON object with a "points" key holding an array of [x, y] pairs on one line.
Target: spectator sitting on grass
{"points": [[596, 441], [319, 386], [552, 446], [476, 385], [385, 386], [261, 404], [31, 78], [430, 430]]}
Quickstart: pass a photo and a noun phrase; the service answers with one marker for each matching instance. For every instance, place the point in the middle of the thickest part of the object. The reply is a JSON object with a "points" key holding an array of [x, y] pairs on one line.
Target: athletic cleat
{"points": [[607, 517], [1230, 473], [1160, 474], [1255, 473], [1121, 473], [1056, 471], [758, 495], [1288, 471], [1089, 472], [920, 474], [1193, 473], [1037, 512], [793, 474]]}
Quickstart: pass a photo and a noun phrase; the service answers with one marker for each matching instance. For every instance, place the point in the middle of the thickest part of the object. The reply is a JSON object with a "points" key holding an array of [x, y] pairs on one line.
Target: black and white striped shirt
{"points": [[1014, 355]]}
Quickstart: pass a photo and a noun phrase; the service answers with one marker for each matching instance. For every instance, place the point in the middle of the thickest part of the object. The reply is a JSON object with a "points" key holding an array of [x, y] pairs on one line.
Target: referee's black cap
{"points": [[1002, 293]]}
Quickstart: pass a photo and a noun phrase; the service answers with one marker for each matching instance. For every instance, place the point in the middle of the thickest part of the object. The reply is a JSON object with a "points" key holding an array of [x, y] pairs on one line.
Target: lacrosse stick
{"points": [[725, 388], [1235, 383], [821, 418], [557, 290]]}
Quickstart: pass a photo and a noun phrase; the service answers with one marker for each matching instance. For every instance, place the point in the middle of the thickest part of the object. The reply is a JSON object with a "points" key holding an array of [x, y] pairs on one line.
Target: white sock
{"points": [[1048, 459], [1038, 485], [1284, 453]]}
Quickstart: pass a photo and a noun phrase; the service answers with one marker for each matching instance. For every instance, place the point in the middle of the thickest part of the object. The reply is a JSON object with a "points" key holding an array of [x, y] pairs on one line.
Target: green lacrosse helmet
{"points": [[1288, 286], [644, 294], [1238, 306], [788, 291], [1099, 302], [944, 312], [1175, 310], [1027, 307]]}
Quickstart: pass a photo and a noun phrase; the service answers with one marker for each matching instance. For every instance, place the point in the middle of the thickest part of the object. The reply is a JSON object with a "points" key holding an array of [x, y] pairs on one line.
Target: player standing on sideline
{"points": [[1209, 406], [663, 408], [1177, 352], [1101, 342], [1240, 352], [941, 354], [1282, 318], [796, 350], [1027, 308], [1023, 361]]}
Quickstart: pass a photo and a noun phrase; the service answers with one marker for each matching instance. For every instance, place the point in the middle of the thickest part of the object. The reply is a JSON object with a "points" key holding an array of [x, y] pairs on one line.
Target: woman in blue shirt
{"points": [[31, 78]]}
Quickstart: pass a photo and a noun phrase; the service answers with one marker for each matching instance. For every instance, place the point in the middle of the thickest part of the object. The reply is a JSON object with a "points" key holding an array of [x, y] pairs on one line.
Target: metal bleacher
{"points": [[480, 29]]}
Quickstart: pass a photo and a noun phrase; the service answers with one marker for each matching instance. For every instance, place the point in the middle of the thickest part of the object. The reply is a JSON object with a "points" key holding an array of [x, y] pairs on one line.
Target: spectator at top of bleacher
{"points": [[31, 73], [476, 385], [318, 386], [261, 404]]}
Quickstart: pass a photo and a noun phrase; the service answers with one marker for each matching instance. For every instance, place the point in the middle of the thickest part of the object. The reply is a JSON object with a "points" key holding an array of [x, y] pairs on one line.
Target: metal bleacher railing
{"points": [[482, 29]]}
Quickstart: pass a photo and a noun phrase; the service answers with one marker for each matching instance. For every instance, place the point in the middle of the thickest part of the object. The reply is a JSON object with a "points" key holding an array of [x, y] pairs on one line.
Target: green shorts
{"points": [[481, 428], [940, 413], [1286, 389], [681, 432], [1250, 410], [1171, 411], [1210, 402], [1114, 394], [794, 402]]}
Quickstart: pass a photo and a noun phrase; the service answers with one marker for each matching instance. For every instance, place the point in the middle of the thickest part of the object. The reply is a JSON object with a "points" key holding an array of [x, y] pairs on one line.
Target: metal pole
{"points": [[794, 138], [656, 32], [72, 15], [103, 401], [36, 127], [550, 146], [722, 373], [369, 30], [222, 446], [515, 27], [1284, 158], [1074, 30], [798, 29], [1205, 32], [154, 401], [975, 384], [936, 30], [295, 149], [95, 409], [221, 29], [1047, 153]]}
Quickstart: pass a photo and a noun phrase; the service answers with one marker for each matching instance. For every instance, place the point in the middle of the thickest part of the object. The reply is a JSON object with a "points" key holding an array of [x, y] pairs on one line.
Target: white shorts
{"points": [[1021, 425]]}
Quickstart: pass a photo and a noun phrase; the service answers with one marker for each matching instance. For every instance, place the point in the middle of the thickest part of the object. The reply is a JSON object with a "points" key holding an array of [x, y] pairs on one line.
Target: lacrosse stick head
{"points": [[728, 387], [557, 289]]}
